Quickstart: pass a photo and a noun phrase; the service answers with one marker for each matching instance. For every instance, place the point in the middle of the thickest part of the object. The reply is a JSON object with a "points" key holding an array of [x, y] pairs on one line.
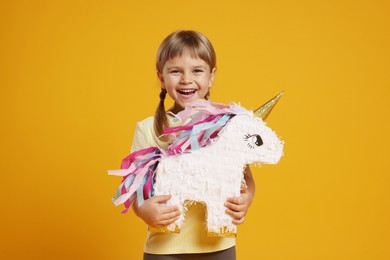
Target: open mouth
{"points": [[187, 92]]}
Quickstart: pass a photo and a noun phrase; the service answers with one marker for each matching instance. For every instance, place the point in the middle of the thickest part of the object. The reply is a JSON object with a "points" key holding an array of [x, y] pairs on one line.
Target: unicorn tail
{"points": [[138, 171]]}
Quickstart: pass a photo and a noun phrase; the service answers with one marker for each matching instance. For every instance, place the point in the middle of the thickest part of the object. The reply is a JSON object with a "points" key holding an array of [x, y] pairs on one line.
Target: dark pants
{"points": [[228, 254]]}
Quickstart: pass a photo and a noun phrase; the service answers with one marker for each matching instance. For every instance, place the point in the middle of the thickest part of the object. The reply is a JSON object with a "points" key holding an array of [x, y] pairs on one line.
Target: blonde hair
{"points": [[175, 45]]}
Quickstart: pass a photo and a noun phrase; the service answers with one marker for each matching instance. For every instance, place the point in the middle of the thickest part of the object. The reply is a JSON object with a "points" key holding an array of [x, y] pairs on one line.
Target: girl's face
{"points": [[186, 79]]}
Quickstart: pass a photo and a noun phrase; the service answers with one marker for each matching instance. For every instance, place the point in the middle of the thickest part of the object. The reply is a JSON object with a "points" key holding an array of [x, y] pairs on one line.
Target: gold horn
{"points": [[265, 109]]}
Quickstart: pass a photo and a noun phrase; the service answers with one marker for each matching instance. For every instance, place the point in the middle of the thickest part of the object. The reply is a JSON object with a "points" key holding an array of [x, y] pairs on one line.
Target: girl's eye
{"points": [[253, 140], [175, 71], [198, 71]]}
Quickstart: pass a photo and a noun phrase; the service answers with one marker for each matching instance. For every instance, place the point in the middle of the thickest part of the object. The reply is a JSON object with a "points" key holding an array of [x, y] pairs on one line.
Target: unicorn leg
{"points": [[219, 223]]}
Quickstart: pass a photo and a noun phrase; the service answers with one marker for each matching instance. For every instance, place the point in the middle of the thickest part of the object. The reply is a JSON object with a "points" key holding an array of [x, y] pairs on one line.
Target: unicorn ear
{"points": [[265, 109]]}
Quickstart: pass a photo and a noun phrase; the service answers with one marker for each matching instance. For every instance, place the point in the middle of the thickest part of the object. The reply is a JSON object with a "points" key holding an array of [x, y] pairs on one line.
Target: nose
{"points": [[186, 78]]}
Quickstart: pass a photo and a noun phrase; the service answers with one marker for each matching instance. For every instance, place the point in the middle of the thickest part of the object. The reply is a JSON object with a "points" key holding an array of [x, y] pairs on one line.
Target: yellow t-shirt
{"points": [[193, 235]]}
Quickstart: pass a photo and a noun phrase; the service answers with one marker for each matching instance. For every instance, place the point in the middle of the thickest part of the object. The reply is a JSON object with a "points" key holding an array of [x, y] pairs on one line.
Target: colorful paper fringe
{"points": [[138, 171]]}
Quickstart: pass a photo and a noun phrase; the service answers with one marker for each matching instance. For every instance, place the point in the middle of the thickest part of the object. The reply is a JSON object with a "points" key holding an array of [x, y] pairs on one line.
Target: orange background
{"points": [[76, 76]]}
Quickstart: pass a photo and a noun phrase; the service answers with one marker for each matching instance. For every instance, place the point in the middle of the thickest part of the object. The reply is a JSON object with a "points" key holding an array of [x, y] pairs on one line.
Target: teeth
{"points": [[186, 90]]}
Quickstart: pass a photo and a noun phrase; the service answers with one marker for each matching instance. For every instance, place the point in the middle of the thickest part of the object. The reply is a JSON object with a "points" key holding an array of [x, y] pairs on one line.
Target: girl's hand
{"points": [[237, 207], [154, 214]]}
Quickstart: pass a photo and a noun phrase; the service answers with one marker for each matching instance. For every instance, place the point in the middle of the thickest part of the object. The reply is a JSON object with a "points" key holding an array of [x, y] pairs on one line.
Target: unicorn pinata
{"points": [[204, 163]]}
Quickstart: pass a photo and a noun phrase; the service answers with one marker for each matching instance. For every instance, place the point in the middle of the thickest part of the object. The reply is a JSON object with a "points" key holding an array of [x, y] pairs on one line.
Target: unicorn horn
{"points": [[265, 109]]}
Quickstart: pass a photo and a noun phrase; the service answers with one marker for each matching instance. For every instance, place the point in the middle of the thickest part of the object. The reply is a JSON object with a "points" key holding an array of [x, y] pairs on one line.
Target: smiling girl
{"points": [[186, 66]]}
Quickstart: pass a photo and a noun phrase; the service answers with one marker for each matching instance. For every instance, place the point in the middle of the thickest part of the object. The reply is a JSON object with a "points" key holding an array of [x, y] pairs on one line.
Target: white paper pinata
{"points": [[205, 162]]}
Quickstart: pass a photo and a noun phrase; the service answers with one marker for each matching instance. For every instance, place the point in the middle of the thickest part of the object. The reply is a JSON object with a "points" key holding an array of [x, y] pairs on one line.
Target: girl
{"points": [[186, 65]]}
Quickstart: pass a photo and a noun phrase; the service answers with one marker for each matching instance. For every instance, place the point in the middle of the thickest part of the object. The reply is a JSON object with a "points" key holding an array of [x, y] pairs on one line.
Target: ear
{"points": [[161, 78], [212, 75]]}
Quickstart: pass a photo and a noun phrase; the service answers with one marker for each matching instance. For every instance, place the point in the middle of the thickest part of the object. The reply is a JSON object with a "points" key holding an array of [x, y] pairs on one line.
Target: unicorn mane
{"points": [[203, 122]]}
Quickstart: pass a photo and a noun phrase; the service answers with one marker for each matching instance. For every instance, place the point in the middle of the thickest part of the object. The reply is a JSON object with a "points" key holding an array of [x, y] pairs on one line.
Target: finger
{"points": [[235, 207], [236, 200], [166, 222], [233, 200], [162, 198], [234, 214], [170, 215], [238, 221], [169, 209]]}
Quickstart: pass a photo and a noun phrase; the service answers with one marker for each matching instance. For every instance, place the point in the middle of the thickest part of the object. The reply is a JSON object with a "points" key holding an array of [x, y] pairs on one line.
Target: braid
{"points": [[160, 118], [163, 94]]}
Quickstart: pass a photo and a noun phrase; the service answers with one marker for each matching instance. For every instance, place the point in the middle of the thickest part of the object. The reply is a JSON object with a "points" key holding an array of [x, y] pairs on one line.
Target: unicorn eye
{"points": [[253, 140]]}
